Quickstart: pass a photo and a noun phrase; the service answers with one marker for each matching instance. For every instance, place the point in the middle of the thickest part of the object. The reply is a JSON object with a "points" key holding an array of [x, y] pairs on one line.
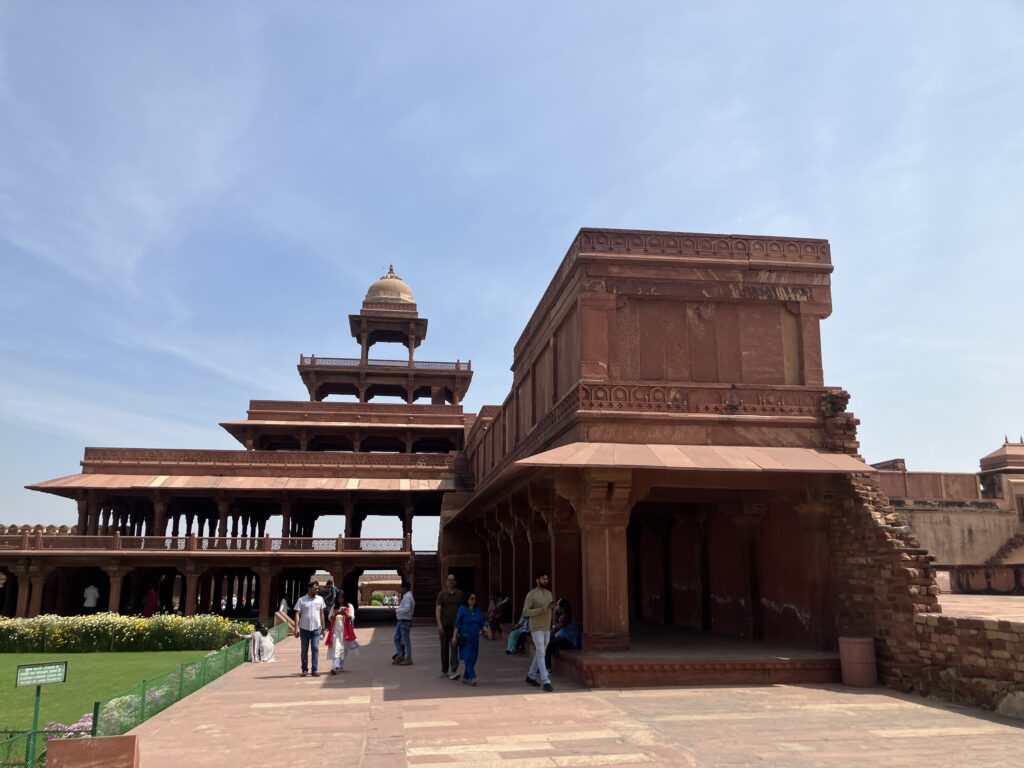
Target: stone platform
{"points": [[665, 656], [376, 715]]}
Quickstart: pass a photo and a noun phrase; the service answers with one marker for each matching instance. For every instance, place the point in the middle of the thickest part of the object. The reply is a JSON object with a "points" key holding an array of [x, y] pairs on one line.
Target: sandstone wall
{"points": [[971, 661], [959, 533]]}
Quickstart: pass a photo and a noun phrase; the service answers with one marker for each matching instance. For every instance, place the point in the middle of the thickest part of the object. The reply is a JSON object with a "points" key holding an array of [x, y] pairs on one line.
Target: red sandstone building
{"points": [[669, 450]]}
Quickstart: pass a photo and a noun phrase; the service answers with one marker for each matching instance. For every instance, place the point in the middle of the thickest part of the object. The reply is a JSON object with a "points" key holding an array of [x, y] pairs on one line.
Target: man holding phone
{"points": [[537, 608]]}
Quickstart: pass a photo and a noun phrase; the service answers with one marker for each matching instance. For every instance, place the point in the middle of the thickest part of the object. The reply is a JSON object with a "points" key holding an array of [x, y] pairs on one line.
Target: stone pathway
{"points": [[378, 715], [1001, 607]]}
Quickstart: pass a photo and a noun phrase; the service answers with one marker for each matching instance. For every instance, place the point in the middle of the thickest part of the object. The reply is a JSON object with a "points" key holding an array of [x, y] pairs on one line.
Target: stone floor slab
{"points": [[377, 715]]}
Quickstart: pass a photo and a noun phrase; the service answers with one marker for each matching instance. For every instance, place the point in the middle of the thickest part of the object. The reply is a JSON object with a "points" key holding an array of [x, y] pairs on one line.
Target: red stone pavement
{"points": [[376, 714]]}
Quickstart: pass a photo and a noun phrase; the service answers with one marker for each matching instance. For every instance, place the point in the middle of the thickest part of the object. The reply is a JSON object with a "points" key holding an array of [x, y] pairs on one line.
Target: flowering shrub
{"points": [[83, 727], [112, 632]]}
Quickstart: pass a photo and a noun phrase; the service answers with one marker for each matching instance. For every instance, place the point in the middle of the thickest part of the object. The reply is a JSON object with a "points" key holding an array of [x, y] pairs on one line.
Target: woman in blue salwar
{"points": [[469, 623]]}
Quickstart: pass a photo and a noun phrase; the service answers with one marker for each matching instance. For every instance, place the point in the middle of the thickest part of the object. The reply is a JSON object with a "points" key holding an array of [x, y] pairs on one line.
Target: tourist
{"points": [[445, 610], [341, 634], [566, 631], [150, 603], [91, 597], [310, 612], [403, 627], [261, 648], [537, 608], [469, 622], [330, 595], [494, 610], [517, 636]]}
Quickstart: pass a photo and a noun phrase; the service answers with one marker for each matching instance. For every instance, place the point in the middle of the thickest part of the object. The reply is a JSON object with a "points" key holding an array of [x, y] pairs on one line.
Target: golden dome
{"points": [[390, 289]]}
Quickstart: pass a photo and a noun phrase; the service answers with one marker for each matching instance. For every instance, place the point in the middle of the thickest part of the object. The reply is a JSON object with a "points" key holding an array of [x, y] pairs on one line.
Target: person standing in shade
{"points": [[447, 608], [537, 608], [403, 614], [310, 612], [469, 623], [91, 597]]}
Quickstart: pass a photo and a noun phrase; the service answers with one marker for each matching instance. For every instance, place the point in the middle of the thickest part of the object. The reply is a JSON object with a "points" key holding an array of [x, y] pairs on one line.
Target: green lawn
{"points": [[91, 677]]}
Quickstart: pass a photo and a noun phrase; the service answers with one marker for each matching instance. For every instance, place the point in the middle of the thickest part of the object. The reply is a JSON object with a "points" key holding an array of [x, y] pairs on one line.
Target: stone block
{"points": [[99, 752]]}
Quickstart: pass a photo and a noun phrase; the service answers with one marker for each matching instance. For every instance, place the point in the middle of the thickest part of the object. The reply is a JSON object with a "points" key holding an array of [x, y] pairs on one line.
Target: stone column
{"points": [[223, 510], [24, 588], [407, 520], [602, 502], [191, 574], [748, 524], [116, 576], [37, 578], [564, 543], [159, 515], [817, 563], [83, 517], [263, 589], [286, 518]]}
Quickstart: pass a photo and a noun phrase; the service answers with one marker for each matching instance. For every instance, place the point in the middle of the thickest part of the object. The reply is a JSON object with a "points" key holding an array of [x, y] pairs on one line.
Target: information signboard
{"points": [[41, 674]]}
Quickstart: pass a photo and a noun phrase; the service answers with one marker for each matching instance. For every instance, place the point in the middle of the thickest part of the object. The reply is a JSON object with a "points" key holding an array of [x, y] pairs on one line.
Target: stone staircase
{"points": [[1014, 542], [464, 480], [426, 583]]}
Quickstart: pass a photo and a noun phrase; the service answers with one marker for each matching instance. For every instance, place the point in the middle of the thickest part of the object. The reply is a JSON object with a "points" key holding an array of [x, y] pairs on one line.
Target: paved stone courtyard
{"points": [[377, 714]]}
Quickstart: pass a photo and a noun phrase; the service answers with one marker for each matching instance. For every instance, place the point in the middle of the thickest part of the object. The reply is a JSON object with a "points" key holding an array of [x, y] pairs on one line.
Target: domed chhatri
{"points": [[390, 289]]}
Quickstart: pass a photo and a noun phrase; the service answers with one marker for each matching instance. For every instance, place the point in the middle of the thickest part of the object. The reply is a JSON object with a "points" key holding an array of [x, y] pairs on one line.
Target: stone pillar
{"points": [[83, 517], [748, 525], [116, 576], [817, 563], [191, 589], [159, 515], [602, 503], [24, 588], [286, 518], [407, 520], [37, 578], [223, 510], [348, 509]]}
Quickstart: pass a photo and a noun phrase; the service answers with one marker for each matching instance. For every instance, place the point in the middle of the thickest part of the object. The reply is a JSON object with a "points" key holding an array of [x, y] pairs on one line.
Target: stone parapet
{"points": [[970, 661]]}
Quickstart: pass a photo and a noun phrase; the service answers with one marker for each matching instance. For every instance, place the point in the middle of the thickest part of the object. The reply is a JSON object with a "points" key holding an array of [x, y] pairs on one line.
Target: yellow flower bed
{"points": [[112, 632]]}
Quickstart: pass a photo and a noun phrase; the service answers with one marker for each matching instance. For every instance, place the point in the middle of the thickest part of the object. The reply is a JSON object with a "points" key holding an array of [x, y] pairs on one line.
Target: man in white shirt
{"points": [[91, 597], [310, 613], [403, 613]]}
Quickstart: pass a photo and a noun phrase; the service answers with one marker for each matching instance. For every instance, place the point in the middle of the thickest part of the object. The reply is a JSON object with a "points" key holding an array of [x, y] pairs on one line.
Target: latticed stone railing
{"points": [[168, 544], [313, 361]]}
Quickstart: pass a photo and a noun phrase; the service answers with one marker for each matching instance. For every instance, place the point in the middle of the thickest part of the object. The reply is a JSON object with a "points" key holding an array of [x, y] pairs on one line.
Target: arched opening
{"points": [[434, 445], [383, 444]]}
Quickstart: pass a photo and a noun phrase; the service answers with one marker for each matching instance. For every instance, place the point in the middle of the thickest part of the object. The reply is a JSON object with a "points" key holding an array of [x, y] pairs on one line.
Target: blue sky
{"points": [[193, 194]]}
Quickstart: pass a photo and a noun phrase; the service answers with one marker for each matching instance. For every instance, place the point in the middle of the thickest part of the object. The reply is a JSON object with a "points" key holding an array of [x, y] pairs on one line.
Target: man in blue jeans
{"points": [[403, 643], [309, 611]]}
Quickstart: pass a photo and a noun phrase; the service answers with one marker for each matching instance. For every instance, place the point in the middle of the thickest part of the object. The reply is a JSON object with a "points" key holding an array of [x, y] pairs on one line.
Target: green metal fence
{"points": [[120, 713], [14, 748]]}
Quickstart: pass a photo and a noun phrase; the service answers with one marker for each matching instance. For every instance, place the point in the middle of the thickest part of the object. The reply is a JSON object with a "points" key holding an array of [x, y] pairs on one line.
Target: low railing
{"points": [[209, 544], [313, 361], [158, 457]]}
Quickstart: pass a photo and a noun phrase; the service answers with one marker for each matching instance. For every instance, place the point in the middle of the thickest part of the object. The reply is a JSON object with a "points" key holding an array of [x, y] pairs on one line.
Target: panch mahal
{"points": [[669, 451]]}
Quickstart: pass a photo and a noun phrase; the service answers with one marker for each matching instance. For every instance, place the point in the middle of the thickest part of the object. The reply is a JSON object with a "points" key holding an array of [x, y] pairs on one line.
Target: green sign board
{"points": [[40, 674]]}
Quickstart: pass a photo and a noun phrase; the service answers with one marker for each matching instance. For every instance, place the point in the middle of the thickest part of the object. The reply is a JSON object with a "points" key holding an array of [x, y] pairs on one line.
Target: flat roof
{"points": [[101, 481]]}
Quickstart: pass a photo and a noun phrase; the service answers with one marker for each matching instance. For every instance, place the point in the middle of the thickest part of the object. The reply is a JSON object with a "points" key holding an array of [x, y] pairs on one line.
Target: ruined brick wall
{"points": [[971, 661], [882, 579]]}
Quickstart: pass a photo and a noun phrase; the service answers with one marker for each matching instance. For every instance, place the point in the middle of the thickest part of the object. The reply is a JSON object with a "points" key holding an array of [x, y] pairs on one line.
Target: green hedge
{"points": [[112, 632]]}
